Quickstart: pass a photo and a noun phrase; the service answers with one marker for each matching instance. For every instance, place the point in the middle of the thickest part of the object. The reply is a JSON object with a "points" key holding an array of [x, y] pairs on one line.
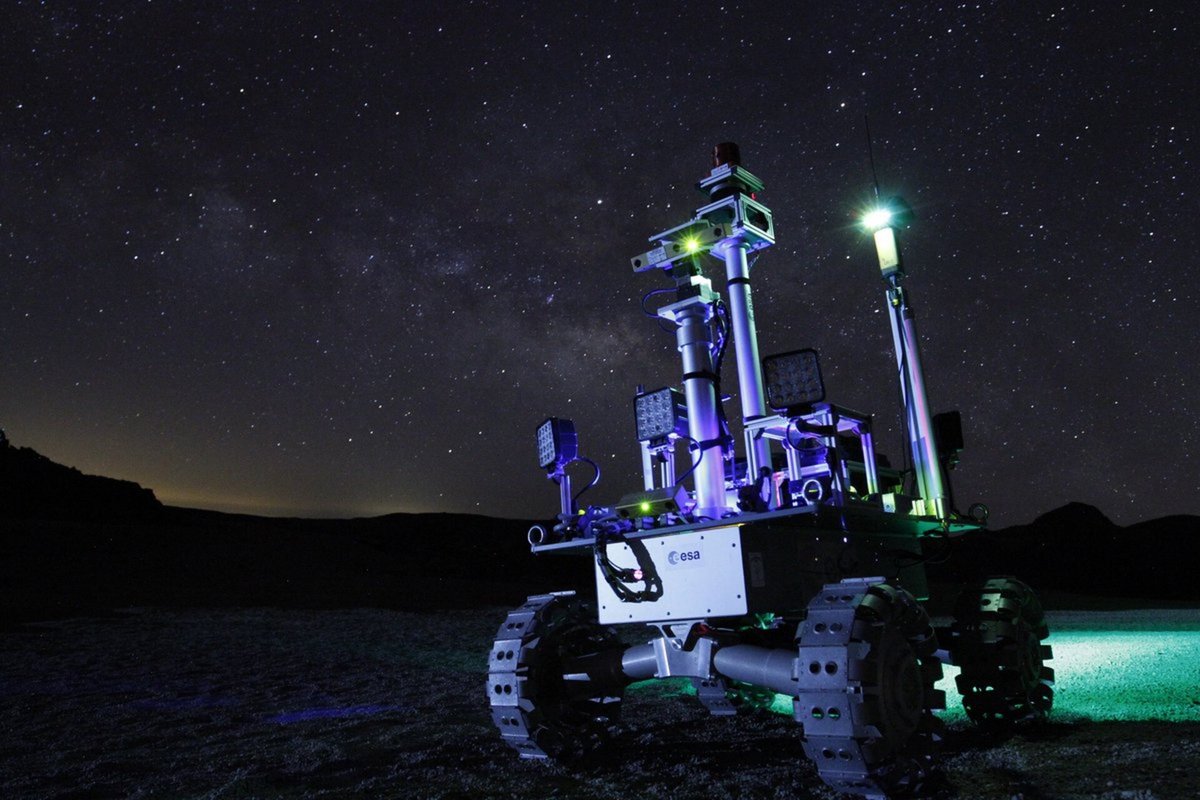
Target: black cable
{"points": [[718, 361], [616, 577], [905, 389], [787, 435], [702, 450], [723, 342], [650, 294], [949, 484], [722, 316], [938, 557], [619, 578], [595, 480]]}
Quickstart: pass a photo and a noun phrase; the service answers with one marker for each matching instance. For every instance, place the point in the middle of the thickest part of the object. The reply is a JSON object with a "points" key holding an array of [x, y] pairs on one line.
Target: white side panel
{"points": [[701, 573]]}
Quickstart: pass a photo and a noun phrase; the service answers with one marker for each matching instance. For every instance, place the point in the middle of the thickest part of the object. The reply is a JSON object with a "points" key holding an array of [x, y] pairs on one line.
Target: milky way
{"points": [[304, 260]]}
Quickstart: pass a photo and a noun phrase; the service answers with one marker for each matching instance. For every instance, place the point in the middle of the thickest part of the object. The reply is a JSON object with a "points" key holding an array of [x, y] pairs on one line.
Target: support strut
{"points": [[919, 420], [745, 342], [694, 341]]}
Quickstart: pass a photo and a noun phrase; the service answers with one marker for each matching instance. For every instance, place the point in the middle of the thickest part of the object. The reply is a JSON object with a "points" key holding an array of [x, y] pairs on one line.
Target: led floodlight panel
{"points": [[659, 414], [881, 222], [557, 443], [888, 251], [793, 379]]}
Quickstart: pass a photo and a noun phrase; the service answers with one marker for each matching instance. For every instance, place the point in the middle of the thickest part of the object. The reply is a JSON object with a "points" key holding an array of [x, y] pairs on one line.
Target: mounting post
{"points": [[745, 342], [694, 340], [749, 225], [919, 421]]}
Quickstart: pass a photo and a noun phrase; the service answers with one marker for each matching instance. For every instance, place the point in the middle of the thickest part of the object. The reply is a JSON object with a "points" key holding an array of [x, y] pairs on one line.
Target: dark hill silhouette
{"points": [[1076, 548], [1074, 516], [72, 543], [34, 487]]}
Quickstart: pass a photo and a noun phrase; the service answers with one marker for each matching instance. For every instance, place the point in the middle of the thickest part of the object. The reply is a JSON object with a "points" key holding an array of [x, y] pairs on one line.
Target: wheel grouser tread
{"points": [[867, 667], [540, 711], [996, 640]]}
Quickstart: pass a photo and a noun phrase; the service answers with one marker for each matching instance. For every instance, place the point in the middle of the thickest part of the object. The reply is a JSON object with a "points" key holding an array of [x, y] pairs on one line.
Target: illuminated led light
{"points": [[793, 380], [882, 222], [877, 218], [557, 443], [652, 503], [659, 414], [691, 244], [887, 249]]}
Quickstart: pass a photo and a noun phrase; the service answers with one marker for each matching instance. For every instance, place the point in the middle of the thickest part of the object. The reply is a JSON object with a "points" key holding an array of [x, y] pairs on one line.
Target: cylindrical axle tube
{"points": [[758, 666]]}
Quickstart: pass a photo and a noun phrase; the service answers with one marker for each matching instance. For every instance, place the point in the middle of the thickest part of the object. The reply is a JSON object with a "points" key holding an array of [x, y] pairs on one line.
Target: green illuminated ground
{"points": [[1121, 666]]}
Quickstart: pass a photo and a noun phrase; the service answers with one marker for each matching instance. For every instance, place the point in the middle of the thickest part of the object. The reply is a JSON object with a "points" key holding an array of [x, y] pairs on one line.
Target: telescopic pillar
{"points": [[745, 342], [693, 337], [912, 384], [733, 190]]}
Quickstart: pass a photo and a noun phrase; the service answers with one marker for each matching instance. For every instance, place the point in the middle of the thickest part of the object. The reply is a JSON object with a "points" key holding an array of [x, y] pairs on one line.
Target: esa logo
{"points": [[677, 558]]}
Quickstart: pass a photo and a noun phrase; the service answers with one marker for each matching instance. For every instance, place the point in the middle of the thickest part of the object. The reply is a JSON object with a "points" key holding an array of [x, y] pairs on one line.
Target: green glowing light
{"points": [[877, 218], [691, 244], [645, 507]]}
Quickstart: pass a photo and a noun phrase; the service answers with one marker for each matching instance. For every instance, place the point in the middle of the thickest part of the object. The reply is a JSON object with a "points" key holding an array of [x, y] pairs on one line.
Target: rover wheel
{"points": [[553, 679], [866, 670], [996, 639]]}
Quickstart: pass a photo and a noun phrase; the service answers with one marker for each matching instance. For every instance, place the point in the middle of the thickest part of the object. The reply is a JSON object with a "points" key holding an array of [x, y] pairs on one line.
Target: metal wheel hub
{"points": [[996, 640], [866, 670], [544, 702]]}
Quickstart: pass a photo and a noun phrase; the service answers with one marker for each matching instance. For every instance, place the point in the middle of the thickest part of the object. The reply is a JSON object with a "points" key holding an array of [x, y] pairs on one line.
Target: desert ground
{"points": [[248, 703]]}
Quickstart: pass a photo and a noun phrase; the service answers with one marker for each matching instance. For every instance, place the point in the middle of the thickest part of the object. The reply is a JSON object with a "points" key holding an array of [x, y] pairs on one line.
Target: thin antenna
{"points": [[871, 153]]}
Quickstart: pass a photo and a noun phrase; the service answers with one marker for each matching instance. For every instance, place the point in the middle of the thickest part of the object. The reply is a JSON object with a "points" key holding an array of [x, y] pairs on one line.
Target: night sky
{"points": [[342, 258]]}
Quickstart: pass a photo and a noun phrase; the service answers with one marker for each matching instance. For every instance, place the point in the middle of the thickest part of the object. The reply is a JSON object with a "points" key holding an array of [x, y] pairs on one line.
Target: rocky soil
{"points": [[239, 703]]}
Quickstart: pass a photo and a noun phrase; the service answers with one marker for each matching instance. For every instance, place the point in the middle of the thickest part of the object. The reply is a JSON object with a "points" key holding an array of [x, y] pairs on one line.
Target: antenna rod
{"points": [[871, 154]]}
